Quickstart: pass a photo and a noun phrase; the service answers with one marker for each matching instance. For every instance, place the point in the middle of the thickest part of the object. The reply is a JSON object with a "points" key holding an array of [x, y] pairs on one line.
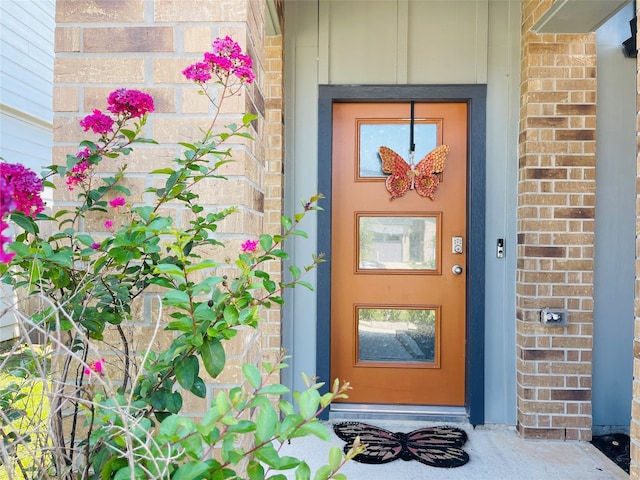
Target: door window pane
{"points": [[397, 243], [397, 335], [396, 137]]}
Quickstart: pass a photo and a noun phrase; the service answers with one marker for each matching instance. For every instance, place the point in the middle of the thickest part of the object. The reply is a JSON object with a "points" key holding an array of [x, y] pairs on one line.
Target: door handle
{"points": [[456, 269]]}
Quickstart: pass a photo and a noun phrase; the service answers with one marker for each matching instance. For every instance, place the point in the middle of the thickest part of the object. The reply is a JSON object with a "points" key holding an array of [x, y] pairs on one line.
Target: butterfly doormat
{"points": [[434, 446]]}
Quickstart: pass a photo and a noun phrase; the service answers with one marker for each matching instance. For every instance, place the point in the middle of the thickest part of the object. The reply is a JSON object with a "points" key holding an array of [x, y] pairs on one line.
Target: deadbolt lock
{"points": [[456, 245]]}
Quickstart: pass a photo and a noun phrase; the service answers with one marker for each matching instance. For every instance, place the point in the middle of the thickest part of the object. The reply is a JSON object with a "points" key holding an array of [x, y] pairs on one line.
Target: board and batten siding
{"points": [[409, 43], [26, 92]]}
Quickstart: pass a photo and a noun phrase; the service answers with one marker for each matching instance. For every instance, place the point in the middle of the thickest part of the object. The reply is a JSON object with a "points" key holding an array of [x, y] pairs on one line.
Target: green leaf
{"points": [[322, 473], [222, 402], [269, 285], [173, 402], [213, 356], [308, 401], [305, 284], [199, 389], [130, 134], [252, 374], [286, 222], [266, 242], [176, 298], [186, 370], [303, 472], [280, 253], [247, 118], [295, 271], [165, 171], [201, 265], [317, 429], [169, 268], [243, 426], [62, 258], [266, 423], [184, 324], [231, 314], [194, 470], [145, 140], [287, 463], [290, 423], [158, 400], [268, 454], [126, 474], [84, 239], [335, 458], [123, 189], [255, 471], [25, 222], [274, 389], [113, 463]]}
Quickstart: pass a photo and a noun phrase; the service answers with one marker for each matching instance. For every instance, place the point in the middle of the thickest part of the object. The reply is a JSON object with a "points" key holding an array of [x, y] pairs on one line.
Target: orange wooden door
{"points": [[397, 307]]}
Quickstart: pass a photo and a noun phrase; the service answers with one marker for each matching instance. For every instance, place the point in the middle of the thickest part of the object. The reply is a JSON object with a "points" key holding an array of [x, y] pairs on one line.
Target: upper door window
{"points": [[393, 134]]}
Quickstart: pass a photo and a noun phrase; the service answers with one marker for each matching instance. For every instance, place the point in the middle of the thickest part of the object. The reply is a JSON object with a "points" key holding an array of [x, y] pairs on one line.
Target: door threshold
{"points": [[369, 411]]}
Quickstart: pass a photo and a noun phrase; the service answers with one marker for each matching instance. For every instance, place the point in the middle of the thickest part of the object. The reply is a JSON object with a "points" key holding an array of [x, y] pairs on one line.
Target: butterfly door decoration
{"points": [[434, 446], [422, 177]]}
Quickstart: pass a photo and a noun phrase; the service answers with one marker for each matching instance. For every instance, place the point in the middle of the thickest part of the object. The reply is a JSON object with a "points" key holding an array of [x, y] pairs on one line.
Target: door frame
{"points": [[475, 98]]}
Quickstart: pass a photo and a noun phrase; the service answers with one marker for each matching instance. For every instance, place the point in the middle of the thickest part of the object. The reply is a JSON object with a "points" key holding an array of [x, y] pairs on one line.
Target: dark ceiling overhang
{"points": [[577, 16]]}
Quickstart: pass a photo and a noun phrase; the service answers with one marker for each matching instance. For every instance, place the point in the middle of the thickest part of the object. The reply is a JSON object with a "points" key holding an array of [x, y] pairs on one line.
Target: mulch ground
{"points": [[616, 447]]}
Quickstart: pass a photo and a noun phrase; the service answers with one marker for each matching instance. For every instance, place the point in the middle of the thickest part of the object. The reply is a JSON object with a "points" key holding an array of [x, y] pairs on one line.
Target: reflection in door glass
{"points": [[396, 137], [396, 335], [397, 243]]}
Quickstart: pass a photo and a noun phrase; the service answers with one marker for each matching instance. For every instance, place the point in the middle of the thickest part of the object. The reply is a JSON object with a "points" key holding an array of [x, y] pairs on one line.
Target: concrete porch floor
{"points": [[496, 453]]}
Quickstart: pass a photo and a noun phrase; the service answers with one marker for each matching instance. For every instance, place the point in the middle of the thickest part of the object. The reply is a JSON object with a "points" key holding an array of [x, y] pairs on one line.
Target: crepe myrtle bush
{"points": [[123, 417]]}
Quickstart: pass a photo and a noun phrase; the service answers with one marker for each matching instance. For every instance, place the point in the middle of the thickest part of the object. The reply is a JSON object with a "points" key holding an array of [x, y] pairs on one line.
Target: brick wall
{"points": [[556, 198], [103, 45]]}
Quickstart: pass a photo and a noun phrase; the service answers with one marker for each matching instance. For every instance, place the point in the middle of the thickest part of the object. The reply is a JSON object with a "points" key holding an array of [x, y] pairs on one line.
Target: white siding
{"points": [[26, 91], [26, 56]]}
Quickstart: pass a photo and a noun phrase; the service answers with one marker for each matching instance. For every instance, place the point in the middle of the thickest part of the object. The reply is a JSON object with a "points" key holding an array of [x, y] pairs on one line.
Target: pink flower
{"points": [[5, 257], [78, 174], [245, 74], [7, 202], [218, 62], [226, 47], [98, 122], [7, 205], [249, 246], [117, 202], [108, 224], [95, 245], [226, 58], [198, 72], [130, 103], [26, 188], [95, 367], [84, 153]]}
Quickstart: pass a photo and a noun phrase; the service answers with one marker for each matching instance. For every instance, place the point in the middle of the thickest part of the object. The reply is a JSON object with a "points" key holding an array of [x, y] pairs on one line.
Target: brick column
{"points": [[556, 198], [101, 46], [274, 174]]}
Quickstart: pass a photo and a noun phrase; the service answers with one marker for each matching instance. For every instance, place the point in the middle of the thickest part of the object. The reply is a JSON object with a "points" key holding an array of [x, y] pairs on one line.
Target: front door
{"points": [[398, 266]]}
